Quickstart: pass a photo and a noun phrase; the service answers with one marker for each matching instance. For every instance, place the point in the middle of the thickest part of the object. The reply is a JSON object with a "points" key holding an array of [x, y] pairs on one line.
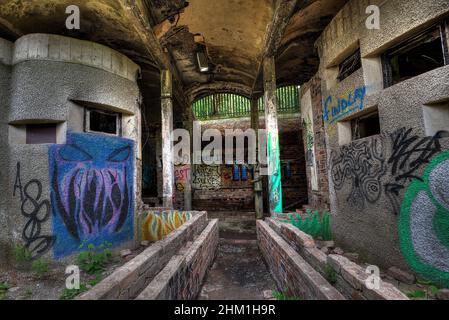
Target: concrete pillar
{"points": [[258, 196], [188, 125], [271, 125], [168, 169]]}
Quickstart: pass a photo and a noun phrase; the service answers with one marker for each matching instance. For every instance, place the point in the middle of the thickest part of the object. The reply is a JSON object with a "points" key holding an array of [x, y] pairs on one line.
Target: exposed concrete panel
{"points": [[62, 49], [5, 75], [6, 49], [45, 90]]}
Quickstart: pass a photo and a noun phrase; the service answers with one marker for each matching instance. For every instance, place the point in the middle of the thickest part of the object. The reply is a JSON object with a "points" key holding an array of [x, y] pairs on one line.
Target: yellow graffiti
{"points": [[157, 226]]}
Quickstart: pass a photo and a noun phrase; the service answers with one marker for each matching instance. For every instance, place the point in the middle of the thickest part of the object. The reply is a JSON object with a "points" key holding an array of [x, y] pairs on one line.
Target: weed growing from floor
{"points": [[95, 259], [70, 294], [22, 254], [40, 266], [4, 287], [330, 275], [283, 295], [417, 294], [314, 224]]}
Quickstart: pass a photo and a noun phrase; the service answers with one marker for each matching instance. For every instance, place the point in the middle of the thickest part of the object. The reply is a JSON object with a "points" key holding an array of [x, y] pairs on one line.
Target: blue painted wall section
{"points": [[337, 108], [92, 193]]}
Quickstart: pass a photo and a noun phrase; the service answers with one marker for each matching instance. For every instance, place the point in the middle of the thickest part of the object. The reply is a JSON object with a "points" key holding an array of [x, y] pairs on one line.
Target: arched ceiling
{"points": [[160, 34]]}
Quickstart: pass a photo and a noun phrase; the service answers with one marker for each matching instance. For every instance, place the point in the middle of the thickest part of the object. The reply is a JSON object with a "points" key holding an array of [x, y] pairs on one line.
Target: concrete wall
{"points": [[52, 79], [5, 75], [375, 182]]}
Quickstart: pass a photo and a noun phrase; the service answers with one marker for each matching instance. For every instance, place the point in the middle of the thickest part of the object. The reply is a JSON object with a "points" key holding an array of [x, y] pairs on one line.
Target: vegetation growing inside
{"points": [[283, 295], [95, 259]]}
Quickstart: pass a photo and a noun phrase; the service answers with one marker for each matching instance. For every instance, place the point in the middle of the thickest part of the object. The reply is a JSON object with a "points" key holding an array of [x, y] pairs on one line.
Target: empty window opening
{"points": [[416, 56], [436, 119], [40, 133], [365, 126], [103, 121], [350, 65]]}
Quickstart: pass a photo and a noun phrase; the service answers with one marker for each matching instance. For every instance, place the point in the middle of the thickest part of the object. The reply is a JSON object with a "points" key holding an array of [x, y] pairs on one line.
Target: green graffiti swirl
{"points": [[424, 222]]}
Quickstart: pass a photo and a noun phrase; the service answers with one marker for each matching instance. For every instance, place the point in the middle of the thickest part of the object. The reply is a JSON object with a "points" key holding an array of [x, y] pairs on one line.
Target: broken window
{"points": [[103, 121], [420, 54], [350, 65], [40, 133], [365, 126]]}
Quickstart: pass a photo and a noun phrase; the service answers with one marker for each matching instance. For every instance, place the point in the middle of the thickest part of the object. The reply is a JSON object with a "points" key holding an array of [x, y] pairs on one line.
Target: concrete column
{"points": [[168, 169], [188, 125], [258, 196], [271, 125]]}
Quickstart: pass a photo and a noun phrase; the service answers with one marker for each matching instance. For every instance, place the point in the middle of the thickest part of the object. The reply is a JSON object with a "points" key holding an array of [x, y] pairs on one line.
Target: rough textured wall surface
{"points": [[379, 183], [48, 183], [5, 73]]}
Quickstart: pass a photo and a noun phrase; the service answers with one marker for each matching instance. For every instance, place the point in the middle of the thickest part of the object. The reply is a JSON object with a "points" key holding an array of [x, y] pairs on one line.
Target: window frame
{"points": [[387, 70], [118, 115], [356, 59]]}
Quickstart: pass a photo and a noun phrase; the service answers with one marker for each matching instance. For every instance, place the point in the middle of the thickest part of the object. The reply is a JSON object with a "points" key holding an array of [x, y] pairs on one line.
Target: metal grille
{"points": [[228, 105]]}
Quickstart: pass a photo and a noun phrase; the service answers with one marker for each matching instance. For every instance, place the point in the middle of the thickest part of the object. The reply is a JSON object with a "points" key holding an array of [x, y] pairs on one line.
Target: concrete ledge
{"points": [[130, 279], [182, 277], [51, 47], [290, 270]]}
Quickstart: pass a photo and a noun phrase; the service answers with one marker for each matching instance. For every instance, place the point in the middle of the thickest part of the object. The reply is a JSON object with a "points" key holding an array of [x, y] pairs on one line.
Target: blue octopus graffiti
{"points": [[337, 108], [91, 191]]}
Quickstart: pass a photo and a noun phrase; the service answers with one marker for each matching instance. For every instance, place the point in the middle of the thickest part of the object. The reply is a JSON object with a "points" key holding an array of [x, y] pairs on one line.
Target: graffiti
{"points": [[363, 164], [274, 182], [207, 177], [307, 123], [157, 226], [424, 222], [37, 212], [91, 190], [337, 108], [181, 175], [409, 153]]}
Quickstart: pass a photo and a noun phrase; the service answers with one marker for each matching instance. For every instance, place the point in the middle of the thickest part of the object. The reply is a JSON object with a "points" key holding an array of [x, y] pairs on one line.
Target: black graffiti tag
{"points": [[410, 153], [363, 165], [37, 212]]}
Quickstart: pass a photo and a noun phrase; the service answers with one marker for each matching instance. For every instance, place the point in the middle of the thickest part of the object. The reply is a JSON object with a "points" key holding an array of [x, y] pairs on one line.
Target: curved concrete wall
{"points": [[372, 180], [53, 79], [5, 74]]}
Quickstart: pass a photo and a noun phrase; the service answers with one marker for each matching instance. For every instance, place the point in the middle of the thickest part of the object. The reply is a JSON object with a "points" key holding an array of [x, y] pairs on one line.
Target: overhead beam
{"points": [[284, 10], [197, 90], [161, 57]]}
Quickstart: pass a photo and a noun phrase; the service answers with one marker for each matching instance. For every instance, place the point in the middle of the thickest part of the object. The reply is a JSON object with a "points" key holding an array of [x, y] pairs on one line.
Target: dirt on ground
{"points": [[22, 283], [239, 272]]}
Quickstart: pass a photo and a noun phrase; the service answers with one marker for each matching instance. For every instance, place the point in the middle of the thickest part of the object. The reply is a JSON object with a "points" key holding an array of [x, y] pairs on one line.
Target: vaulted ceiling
{"points": [[167, 34]]}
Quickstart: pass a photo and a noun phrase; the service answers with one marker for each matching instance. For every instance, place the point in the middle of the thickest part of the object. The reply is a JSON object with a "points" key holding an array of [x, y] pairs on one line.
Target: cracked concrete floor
{"points": [[239, 272]]}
